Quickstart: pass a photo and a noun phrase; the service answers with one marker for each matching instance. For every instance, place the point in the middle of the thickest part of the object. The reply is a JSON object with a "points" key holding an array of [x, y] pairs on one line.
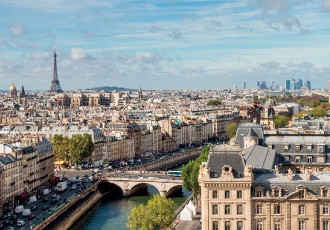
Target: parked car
{"points": [[19, 209], [73, 187], [31, 217], [45, 207]]}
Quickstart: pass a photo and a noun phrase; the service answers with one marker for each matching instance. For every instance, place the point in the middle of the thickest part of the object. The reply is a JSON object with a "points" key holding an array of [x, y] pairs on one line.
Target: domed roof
{"points": [[12, 87]]}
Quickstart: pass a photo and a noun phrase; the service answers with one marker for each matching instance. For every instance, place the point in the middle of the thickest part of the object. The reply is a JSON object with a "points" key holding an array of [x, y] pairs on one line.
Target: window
{"points": [[215, 209], [297, 147], [325, 225], [301, 209], [286, 148], [277, 226], [259, 225], [286, 159], [301, 225], [276, 192], [309, 148], [325, 209], [325, 192], [277, 209], [227, 194], [214, 194], [298, 159], [258, 193], [227, 225], [301, 194], [239, 194], [259, 209], [309, 159], [239, 225], [239, 209], [215, 225], [227, 209]]}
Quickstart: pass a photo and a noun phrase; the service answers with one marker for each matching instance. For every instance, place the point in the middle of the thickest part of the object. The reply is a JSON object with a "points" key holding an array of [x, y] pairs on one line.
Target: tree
{"points": [[157, 214], [214, 103], [281, 121], [319, 112], [189, 172], [300, 114], [74, 149], [231, 129]]}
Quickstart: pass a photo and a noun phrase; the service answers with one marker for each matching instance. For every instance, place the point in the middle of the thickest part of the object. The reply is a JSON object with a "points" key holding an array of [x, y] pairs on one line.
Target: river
{"points": [[111, 212]]}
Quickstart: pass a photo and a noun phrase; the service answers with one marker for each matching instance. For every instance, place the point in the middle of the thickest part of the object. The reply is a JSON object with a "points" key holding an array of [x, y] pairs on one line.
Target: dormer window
{"points": [[258, 192], [297, 148], [298, 159], [324, 191], [277, 191], [286, 148]]}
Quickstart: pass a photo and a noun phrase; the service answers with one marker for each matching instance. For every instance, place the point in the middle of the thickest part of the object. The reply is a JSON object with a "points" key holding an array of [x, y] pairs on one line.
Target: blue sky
{"points": [[165, 44]]}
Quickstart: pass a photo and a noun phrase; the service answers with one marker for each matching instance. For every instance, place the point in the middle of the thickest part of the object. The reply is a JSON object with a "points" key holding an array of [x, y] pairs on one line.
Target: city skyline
{"points": [[166, 45]]}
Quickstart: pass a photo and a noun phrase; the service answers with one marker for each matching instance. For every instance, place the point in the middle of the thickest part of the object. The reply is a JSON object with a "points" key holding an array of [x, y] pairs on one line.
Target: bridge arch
{"points": [[143, 185], [106, 186], [173, 190]]}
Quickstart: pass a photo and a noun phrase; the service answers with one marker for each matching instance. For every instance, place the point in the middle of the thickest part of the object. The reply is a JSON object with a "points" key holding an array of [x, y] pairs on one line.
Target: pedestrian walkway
{"points": [[187, 225]]}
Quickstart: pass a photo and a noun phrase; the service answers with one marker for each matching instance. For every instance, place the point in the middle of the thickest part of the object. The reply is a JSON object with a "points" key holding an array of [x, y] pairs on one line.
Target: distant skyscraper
{"points": [[55, 86], [293, 84], [281, 87], [287, 84], [244, 85], [263, 85], [258, 83], [329, 85], [299, 84], [308, 85]]}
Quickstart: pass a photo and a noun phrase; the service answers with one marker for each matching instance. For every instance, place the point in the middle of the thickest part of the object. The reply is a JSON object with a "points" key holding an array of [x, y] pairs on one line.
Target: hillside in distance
{"points": [[110, 88]]}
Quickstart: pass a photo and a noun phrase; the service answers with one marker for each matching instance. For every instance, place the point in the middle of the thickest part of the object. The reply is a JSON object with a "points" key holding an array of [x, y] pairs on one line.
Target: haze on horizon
{"points": [[168, 44]]}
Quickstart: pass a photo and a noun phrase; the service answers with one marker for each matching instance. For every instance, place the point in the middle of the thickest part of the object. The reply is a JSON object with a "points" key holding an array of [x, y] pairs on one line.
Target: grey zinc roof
{"points": [[259, 157], [244, 129], [219, 159]]}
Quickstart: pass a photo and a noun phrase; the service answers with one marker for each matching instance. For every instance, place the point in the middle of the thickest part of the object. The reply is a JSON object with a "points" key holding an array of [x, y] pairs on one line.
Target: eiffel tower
{"points": [[55, 86]]}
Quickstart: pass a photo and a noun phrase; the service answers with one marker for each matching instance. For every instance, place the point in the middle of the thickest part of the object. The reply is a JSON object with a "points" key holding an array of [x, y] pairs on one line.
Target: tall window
{"points": [[276, 192], [325, 192], [277, 209], [286, 159], [301, 225], [239, 209], [326, 225], [215, 210], [301, 194], [325, 209], [239, 194], [259, 225], [301, 209], [227, 194], [214, 194], [259, 209], [215, 225], [309, 159], [298, 159], [277, 226], [227, 225], [239, 225], [227, 209]]}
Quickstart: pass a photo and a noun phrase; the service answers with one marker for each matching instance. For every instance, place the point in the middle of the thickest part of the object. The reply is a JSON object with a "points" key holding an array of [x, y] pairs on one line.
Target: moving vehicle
{"points": [[174, 173], [62, 186], [26, 212], [33, 199], [20, 223], [19, 209], [45, 192]]}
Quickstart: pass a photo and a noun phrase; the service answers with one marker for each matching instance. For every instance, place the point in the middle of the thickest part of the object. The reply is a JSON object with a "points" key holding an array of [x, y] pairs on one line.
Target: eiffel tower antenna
{"points": [[55, 86]]}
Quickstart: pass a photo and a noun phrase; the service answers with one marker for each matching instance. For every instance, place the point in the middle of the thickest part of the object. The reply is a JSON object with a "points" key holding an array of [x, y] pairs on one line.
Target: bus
{"points": [[174, 173]]}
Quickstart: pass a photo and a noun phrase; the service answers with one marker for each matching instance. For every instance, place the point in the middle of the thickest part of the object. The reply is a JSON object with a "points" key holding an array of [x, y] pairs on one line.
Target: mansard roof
{"points": [[259, 157]]}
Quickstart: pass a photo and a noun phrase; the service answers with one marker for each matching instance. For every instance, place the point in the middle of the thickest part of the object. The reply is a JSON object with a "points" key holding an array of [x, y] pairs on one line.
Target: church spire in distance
{"points": [[55, 86]]}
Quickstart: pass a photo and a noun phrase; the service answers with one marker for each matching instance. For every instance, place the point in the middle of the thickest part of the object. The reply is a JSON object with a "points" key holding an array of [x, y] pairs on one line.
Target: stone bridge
{"points": [[165, 186]]}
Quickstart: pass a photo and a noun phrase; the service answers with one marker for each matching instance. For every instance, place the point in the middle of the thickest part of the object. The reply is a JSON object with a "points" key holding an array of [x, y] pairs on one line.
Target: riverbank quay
{"points": [[62, 209], [184, 224], [170, 161]]}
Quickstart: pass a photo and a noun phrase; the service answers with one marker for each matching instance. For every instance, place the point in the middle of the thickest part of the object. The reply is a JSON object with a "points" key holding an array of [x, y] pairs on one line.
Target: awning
{"points": [[23, 195]]}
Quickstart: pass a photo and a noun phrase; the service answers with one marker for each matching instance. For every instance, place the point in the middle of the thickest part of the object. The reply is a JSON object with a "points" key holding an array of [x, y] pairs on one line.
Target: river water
{"points": [[111, 212]]}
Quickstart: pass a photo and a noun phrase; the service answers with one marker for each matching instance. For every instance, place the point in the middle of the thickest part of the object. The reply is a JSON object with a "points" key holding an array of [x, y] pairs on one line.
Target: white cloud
{"points": [[17, 30], [326, 5], [175, 34], [79, 54]]}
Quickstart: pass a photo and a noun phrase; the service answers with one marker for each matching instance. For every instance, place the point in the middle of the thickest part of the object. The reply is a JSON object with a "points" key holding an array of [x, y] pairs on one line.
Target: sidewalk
{"points": [[187, 225]]}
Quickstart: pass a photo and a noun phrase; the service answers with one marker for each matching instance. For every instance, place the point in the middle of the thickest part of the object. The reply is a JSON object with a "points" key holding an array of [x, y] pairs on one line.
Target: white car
{"points": [[20, 223]]}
